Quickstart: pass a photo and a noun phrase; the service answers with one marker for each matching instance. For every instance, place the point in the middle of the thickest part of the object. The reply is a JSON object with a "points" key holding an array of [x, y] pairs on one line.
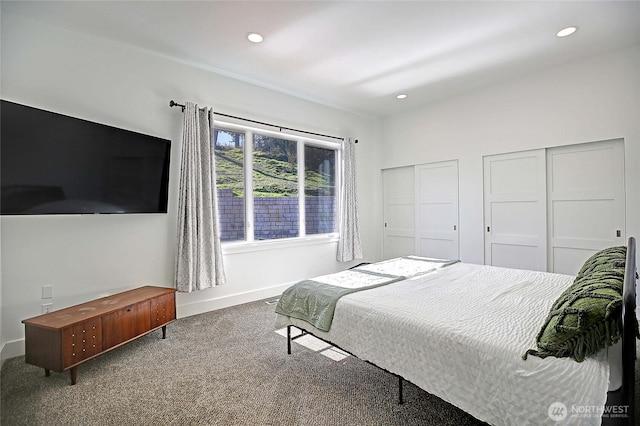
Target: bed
{"points": [[461, 332]]}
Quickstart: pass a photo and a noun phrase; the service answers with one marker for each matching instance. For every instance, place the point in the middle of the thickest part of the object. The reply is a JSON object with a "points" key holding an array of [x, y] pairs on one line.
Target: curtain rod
{"points": [[172, 104]]}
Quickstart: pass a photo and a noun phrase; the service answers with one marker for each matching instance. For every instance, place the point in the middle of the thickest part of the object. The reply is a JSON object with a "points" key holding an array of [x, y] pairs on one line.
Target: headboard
{"points": [[629, 330]]}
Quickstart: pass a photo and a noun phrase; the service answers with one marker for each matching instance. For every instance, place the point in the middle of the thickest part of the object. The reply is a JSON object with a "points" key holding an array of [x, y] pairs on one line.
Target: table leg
{"points": [[47, 372], [74, 374], [164, 331]]}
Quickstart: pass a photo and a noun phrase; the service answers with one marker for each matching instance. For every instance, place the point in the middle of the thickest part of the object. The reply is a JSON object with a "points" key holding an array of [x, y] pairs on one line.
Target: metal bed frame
{"points": [[305, 333], [623, 398]]}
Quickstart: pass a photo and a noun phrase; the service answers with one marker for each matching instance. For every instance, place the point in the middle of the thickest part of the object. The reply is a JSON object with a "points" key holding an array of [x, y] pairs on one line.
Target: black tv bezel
{"points": [[164, 186]]}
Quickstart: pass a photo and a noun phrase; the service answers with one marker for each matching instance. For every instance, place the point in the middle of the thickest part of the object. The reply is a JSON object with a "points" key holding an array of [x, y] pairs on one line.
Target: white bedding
{"points": [[409, 266], [459, 333]]}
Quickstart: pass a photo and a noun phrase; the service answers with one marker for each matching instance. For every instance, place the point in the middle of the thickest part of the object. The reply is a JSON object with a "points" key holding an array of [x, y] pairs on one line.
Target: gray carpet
{"points": [[226, 367]]}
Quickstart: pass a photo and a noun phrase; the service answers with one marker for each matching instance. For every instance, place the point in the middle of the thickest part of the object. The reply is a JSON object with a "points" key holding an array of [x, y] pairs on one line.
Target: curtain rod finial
{"points": [[173, 103]]}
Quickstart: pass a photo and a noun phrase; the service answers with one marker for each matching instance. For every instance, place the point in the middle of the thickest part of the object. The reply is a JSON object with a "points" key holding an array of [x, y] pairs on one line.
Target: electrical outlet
{"points": [[47, 307]]}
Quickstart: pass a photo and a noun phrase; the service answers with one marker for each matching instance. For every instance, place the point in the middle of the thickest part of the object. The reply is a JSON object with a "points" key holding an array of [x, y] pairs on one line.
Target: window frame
{"points": [[249, 243]]}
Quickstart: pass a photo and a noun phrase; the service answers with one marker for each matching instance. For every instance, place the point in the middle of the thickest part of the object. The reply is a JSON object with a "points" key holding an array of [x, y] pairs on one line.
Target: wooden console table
{"points": [[64, 339]]}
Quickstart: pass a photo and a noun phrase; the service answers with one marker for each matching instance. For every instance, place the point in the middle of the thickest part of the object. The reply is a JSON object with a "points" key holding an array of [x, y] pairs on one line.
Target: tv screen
{"points": [[56, 164]]}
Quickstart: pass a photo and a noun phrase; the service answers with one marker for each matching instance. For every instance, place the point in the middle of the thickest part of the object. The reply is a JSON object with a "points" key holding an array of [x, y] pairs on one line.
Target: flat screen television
{"points": [[55, 164]]}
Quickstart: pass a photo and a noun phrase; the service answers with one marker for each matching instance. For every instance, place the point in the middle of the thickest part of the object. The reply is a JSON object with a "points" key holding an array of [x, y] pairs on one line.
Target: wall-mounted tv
{"points": [[56, 164]]}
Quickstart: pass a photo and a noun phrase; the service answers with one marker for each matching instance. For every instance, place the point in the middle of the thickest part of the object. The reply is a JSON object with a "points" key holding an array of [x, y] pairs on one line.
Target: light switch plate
{"points": [[47, 292]]}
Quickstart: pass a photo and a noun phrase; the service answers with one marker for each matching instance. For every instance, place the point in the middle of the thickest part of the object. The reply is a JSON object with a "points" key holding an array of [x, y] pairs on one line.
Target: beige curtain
{"points": [[349, 245], [199, 257]]}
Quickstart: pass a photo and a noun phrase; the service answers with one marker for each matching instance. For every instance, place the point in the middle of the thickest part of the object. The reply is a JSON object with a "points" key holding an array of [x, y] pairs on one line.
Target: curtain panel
{"points": [[349, 245], [199, 256]]}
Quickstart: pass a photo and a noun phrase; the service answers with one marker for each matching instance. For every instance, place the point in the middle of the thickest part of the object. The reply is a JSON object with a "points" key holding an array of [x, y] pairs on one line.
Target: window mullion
{"points": [[248, 185], [301, 195], [338, 187]]}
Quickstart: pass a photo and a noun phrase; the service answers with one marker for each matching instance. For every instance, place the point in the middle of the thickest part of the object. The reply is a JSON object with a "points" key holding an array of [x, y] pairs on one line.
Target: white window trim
{"points": [[233, 247], [249, 243], [225, 125]]}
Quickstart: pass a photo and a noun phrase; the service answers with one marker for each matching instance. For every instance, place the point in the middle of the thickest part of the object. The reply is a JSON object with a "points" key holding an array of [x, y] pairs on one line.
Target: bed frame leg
{"points": [[400, 397], [289, 340]]}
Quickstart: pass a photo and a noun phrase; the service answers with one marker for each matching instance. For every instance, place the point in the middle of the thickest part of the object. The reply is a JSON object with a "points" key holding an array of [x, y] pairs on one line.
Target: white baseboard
{"points": [[202, 306], [12, 349], [16, 347]]}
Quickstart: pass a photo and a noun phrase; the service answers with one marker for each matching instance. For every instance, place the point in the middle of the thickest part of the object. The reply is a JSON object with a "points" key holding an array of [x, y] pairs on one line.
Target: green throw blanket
{"points": [[315, 302]]}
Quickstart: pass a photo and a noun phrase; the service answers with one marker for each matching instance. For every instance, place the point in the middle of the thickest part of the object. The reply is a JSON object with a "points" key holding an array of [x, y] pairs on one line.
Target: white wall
{"points": [[85, 257], [591, 100]]}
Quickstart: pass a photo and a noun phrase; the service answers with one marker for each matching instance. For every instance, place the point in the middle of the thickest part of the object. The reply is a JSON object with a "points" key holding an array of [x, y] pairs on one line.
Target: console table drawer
{"points": [[125, 324], [81, 341], [163, 310]]}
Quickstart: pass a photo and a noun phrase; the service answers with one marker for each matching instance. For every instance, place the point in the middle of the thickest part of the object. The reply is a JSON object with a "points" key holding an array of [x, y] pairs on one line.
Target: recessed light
{"points": [[255, 37], [567, 31], [401, 96]]}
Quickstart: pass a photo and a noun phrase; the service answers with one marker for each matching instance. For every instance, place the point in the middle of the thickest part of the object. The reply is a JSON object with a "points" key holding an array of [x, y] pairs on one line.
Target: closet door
{"points": [[399, 212], [586, 198], [515, 210], [437, 210]]}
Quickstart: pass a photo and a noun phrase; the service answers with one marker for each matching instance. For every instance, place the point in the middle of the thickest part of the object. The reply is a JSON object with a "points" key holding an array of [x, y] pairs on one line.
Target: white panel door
{"points": [[437, 210], [515, 210], [586, 198], [399, 212]]}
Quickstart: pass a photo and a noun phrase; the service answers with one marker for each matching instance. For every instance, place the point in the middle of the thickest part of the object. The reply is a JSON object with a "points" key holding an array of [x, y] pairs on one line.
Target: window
{"points": [[275, 188], [320, 190], [229, 157], [272, 186]]}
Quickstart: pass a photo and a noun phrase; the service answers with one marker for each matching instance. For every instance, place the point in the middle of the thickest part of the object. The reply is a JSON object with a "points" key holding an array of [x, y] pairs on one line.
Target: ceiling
{"points": [[357, 55]]}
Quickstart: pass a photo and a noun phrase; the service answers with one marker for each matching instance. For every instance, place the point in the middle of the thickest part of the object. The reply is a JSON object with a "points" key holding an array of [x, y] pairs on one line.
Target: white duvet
{"points": [[459, 333]]}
